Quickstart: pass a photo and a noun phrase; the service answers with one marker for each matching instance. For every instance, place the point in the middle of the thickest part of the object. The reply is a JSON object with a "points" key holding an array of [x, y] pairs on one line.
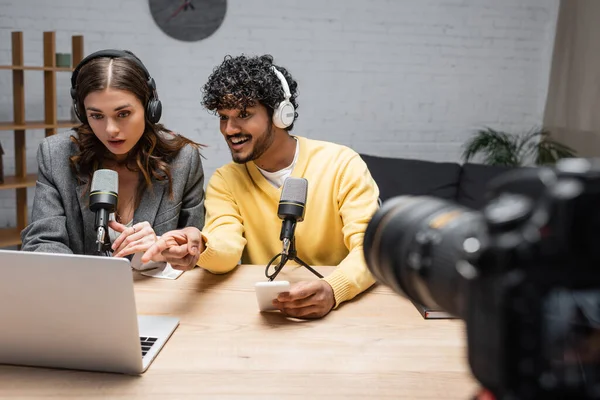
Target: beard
{"points": [[260, 146]]}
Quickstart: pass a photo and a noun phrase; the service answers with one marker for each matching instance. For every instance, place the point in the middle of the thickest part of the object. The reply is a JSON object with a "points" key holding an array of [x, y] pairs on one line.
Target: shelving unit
{"points": [[22, 180]]}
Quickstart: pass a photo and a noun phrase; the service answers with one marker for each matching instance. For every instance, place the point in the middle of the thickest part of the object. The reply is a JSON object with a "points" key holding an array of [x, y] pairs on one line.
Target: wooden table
{"points": [[377, 346]]}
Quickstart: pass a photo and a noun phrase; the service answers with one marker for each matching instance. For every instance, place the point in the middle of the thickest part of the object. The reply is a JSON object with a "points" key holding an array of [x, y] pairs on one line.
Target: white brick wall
{"points": [[387, 77]]}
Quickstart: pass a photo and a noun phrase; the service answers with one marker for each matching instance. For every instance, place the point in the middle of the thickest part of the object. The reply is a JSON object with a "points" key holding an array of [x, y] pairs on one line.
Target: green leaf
{"points": [[498, 148], [501, 148], [550, 151]]}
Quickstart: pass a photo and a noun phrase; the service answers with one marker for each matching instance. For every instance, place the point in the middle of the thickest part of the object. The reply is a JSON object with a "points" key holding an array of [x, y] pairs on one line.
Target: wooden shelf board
{"points": [[13, 182], [11, 126], [10, 237], [36, 68]]}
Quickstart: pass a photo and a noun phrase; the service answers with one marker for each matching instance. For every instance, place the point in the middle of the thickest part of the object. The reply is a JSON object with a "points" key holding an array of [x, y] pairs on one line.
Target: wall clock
{"points": [[188, 20]]}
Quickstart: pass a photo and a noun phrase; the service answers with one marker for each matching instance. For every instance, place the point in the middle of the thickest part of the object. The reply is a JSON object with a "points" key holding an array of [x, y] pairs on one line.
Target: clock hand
{"points": [[188, 4], [181, 7]]}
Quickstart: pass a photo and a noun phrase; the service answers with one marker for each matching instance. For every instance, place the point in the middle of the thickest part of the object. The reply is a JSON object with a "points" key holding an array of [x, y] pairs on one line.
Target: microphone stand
{"points": [[289, 253], [103, 244]]}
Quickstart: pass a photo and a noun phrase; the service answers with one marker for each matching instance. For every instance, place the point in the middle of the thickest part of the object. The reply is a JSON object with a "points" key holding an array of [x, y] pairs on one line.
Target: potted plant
{"points": [[501, 148]]}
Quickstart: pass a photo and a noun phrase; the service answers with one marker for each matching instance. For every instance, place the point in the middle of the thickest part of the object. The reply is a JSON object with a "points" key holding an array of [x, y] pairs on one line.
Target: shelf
{"points": [[11, 126], [13, 182], [35, 68], [10, 237], [50, 123]]}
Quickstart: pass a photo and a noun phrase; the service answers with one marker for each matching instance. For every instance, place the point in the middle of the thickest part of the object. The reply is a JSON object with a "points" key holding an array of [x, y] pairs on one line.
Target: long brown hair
{"points": [[157, 147]]}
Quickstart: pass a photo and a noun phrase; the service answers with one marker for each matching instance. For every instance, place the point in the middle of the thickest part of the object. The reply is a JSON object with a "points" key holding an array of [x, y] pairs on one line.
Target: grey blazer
{"points": [[61, 221]]}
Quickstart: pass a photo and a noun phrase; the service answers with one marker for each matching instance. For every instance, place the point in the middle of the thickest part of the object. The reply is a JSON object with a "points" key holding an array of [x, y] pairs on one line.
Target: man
{"points": [[256, 105]]}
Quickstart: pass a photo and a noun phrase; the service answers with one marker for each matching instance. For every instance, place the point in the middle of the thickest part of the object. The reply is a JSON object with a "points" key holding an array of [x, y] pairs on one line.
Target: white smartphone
{"points": [[266, 292]]}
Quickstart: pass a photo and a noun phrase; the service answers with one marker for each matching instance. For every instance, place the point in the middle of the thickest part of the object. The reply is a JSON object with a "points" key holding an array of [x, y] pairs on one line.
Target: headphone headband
{"points": [[108, 53], [154, 106], [284, 84]]}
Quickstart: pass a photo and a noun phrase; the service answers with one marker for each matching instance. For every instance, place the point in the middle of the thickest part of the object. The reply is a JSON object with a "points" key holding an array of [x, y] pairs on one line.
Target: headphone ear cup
{"points": [[154, 111], [75, 107], [284, 114]]}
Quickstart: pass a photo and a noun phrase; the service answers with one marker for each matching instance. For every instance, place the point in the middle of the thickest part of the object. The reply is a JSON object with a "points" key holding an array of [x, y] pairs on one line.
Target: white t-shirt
{"points": [[278, 177]]}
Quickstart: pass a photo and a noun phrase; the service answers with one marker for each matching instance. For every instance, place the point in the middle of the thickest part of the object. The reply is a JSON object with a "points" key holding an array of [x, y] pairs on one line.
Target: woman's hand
{"points": [[135, 239], [180, 248]]}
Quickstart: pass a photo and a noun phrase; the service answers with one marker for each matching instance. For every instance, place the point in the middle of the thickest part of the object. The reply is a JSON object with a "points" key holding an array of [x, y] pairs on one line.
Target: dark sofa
{"points": [[465, 184]]}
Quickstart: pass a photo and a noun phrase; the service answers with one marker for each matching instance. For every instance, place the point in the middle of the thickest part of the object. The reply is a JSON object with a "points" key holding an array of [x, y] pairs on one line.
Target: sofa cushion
{"points": [[400, 176], [474, 179]]}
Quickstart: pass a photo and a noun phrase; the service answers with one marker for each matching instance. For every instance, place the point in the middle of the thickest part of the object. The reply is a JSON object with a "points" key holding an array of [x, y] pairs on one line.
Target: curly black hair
{"points": [[242, 81]]}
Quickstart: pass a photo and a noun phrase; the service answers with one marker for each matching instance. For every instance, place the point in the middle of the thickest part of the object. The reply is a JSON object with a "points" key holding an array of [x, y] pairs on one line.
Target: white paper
{"points": [[164, 271], [136, 263], [154, 269]]}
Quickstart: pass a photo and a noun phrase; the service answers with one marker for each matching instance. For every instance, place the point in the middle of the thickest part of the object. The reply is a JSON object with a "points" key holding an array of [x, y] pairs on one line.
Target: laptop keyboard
{"points": [[146, 343]]}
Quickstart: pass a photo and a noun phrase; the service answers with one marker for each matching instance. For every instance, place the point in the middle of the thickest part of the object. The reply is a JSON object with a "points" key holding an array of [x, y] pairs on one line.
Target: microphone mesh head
{"points": [[294, 190], [105, 180]]}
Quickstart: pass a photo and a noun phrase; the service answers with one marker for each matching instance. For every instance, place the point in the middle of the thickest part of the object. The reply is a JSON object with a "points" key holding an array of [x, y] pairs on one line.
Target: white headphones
{"points": [[284, 114]]}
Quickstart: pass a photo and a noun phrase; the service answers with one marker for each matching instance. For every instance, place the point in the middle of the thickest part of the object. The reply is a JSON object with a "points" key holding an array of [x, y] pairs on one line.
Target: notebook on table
{"points": [[432, 313]]}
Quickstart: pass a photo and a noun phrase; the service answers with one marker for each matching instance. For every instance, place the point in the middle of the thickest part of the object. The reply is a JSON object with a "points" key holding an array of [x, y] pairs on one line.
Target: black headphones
{"points": [[154, 107]]}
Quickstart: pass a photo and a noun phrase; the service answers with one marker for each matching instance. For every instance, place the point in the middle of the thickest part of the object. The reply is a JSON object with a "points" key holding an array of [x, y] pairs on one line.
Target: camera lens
{"points": [[421, 246]]}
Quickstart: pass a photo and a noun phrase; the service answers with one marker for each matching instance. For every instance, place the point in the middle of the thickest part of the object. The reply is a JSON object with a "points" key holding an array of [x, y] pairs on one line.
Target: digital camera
{"points": [[523, 273]]}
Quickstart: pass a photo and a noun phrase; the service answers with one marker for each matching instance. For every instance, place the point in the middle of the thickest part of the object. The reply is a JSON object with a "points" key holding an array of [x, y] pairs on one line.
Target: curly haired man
{"points": [[256, 103]]}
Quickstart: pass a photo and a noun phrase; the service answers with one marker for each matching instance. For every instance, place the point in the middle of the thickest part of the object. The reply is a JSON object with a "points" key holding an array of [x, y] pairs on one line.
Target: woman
{"points": [[160, 173]]}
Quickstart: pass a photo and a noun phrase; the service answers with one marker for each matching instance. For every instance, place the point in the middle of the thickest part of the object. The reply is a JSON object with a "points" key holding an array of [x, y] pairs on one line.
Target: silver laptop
{"points": [[75, 312]]}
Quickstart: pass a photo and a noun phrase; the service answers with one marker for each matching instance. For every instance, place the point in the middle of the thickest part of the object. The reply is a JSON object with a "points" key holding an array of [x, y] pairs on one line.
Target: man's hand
{"points": [[135, 239], [180, 248], [311, 299]]}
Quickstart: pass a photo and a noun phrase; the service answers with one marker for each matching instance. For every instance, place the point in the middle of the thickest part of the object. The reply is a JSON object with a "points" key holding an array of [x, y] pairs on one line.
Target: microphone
{"points": [[291, 209], [103, 201]]}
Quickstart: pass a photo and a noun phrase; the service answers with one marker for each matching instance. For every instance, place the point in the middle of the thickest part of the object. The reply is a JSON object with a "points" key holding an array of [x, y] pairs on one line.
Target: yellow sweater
{"points": [[242, 223]]}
